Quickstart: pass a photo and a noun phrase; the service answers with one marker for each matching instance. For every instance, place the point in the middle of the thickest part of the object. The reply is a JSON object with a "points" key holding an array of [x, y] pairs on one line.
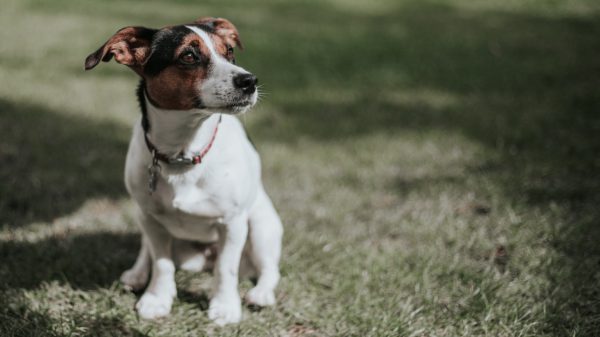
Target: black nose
{"points": [[246, 82]]}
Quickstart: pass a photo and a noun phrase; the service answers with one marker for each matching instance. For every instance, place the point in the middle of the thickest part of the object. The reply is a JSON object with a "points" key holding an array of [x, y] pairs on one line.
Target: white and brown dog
{"points": [[191, 168]]}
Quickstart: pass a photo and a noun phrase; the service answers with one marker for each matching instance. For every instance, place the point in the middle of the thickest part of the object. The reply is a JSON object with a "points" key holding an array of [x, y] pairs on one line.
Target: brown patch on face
{"points": [[176, 87]]}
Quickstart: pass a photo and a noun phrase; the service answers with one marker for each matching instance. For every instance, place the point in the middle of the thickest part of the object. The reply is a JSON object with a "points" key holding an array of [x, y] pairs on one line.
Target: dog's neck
{"points": [[176, 132]]}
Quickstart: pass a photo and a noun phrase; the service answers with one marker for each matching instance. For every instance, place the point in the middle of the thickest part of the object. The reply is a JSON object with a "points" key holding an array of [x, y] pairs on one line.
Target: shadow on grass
{"points": [[501, 78], [199, 300], [87, 261], [52, 163], [18, 319]]}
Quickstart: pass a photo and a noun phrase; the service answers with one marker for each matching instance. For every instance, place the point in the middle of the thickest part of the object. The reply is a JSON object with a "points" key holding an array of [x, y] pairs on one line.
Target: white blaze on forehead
{"points": [[207, 41], [218, 90]]}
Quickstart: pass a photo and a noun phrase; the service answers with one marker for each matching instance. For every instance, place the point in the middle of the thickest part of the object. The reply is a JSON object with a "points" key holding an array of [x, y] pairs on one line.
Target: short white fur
{"points": [[221, 200]]}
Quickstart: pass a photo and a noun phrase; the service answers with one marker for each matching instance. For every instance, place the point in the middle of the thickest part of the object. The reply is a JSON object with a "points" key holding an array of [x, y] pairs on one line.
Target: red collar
{"points": [[181, 160]]}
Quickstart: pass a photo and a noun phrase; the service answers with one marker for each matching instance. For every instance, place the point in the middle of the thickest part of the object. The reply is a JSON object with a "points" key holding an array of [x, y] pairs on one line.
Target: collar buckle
{"points": [[180, 161]]}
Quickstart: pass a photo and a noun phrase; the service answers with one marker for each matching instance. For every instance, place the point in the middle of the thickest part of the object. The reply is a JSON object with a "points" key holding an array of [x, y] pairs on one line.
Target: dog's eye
{"points": [[187, 58], [229, 55]]}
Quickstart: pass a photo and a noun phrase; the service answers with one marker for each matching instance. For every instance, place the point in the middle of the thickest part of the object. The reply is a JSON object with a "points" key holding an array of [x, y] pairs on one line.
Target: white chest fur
{"points": [[191, 202]]}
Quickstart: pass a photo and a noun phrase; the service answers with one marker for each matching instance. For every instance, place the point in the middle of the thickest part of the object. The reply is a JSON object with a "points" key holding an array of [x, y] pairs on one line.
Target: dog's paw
{"points": [[260, 297], [134, 280], [225, 310], [151, 306]]}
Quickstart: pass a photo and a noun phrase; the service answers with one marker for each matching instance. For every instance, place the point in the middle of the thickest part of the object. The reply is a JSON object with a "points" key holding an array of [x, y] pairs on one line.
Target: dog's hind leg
{"points": [[265, 233], [247, 268], [194, 256], [137, 276]]}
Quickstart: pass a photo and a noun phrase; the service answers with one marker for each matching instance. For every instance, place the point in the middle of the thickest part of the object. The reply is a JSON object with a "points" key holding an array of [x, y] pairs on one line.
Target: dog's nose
{"points": [[246, 82]]}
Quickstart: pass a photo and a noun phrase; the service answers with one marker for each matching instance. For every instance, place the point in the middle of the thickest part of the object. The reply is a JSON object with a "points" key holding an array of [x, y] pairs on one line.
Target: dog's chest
{"points": [[192, 203], [190, 206]]}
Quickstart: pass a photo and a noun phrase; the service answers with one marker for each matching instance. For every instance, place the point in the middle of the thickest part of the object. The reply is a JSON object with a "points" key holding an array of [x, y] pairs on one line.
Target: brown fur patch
{"points": [[176, 87]]}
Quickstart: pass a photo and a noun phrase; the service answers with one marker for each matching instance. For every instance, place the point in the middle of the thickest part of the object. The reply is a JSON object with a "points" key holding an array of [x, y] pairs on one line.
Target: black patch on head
{"points": [[141, 96], [163, 48]]}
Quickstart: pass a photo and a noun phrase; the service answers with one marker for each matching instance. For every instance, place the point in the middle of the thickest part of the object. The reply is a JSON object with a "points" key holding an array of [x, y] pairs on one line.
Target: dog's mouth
{"points": [[233, 108], [239, 105]]}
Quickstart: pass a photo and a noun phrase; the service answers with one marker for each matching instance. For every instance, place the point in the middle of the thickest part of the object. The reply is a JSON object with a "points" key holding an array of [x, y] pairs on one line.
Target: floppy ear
{"points": [[224, 28], [130, 46]]}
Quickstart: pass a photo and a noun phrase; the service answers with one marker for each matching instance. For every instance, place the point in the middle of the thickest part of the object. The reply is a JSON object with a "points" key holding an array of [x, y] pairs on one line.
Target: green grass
{"points": [[403, 143]]}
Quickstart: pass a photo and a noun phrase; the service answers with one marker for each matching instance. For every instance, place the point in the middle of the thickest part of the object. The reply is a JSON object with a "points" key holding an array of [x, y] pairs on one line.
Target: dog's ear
{"points": [[130, 46], [224, 28]]}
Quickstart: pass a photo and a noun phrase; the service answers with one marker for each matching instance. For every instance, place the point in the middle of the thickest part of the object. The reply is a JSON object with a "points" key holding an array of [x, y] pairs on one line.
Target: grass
{"points": [[435, 163]]}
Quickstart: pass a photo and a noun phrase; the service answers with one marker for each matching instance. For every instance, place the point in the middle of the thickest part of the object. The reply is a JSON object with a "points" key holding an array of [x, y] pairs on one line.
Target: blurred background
{"points": [[436, 165]]}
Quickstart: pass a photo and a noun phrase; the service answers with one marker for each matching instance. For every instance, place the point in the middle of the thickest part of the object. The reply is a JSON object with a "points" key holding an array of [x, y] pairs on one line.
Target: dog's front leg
{"points": [[225, 306], [158, 297]]}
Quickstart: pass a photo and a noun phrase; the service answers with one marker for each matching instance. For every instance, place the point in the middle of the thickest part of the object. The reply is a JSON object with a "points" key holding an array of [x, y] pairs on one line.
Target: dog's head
{"points": [[185, 67]]}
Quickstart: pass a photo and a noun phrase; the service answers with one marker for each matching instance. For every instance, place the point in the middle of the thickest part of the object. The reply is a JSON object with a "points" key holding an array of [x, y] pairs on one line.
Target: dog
{"points": [[192, 170]]}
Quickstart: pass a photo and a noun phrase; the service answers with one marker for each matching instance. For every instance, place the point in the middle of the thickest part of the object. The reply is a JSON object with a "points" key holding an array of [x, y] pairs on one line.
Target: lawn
{"points": [[436, 165]]}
